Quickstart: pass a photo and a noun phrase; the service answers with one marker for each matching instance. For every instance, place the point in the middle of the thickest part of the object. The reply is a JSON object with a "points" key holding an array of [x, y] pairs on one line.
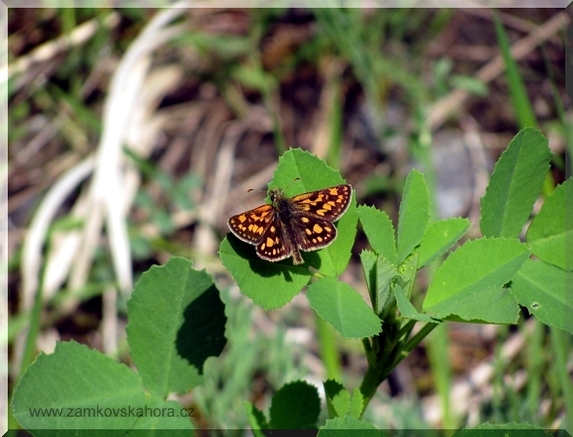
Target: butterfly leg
{"points": [[296, 256]]}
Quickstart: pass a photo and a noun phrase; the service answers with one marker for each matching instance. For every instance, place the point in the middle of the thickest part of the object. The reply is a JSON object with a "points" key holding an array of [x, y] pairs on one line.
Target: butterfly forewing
{"points": [[250, 226]]}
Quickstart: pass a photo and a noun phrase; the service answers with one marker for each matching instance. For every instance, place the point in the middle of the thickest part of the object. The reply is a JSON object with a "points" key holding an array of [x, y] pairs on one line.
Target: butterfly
{"points": [[286, 226]]}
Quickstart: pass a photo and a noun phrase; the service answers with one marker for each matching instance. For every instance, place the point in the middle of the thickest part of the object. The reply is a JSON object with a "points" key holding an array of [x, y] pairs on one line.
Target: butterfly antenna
{"points": [[293, 181], [265, 191]]}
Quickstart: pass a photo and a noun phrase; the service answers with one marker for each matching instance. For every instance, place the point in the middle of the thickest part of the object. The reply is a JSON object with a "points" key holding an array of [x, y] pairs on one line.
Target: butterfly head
{"points": [[276, 194]]}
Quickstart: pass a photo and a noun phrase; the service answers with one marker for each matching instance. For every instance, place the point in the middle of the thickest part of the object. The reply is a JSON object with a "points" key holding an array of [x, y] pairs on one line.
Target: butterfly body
{"points": [[287, 225]]}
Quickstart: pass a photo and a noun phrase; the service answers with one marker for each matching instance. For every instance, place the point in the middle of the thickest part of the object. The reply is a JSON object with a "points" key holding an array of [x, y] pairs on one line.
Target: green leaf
{"points": [[515, 184], [295, 406], [337, 398], [385, 274], [270, 285], [551, 232], [470, 282], [356, 404], [414, 214], [161, 414], [340, 402], [470, 84], [342, 307], [379, 231], [253, 77], [407, 309], [176, 321], [79, 382], [546, 292], [440, 237], [407, 273], [379, 273], [368, 261], [254, 276], [347, 426]]}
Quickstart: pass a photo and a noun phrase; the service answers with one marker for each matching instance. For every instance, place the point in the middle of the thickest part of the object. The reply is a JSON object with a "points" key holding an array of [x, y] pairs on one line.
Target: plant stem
{"points": [[384, 354], [328, 349], [561, 344], [372, 379]]}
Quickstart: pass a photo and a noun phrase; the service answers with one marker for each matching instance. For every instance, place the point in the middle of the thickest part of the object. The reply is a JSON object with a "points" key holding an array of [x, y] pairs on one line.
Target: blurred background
{"points": [[135, 133]]}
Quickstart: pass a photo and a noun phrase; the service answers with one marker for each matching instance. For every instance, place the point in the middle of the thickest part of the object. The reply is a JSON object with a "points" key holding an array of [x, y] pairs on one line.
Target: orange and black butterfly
{"points": [[287, 225]]}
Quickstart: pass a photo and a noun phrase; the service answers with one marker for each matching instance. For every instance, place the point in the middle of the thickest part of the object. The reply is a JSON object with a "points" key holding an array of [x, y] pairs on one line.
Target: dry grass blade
{"points": [[34, 241], [110, 194], [108, 189]]}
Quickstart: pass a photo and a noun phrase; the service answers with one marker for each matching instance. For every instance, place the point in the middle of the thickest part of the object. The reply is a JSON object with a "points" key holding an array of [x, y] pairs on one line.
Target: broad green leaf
{"points": [[407, 309], [342, 307], [270, 285], [161, 414], [379, 231], [77, 388], [550, 235], [414, 214], [295, 406], [470, 283], [440, 237], [515, 184], [347, 426], [546, 292], [176, 321], [315, 174]]}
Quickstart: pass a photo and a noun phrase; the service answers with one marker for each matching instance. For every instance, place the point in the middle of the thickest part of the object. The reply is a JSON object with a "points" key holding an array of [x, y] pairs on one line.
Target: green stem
{"points": [[437, 348], [35, 316], [328, 349], [416, 339], [534, 364], [270, 98], [372, 379], [561, 344], [381, 364]]}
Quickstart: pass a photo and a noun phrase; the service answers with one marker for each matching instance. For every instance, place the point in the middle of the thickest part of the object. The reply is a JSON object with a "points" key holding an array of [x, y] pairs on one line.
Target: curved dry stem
{"points": [[36, 237], [114, 183]]}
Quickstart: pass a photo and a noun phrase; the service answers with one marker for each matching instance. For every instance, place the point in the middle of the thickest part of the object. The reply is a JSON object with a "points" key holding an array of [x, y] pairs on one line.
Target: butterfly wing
{"points": [[326, 204], [313, 233], [251, 226], [274, 245]]}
